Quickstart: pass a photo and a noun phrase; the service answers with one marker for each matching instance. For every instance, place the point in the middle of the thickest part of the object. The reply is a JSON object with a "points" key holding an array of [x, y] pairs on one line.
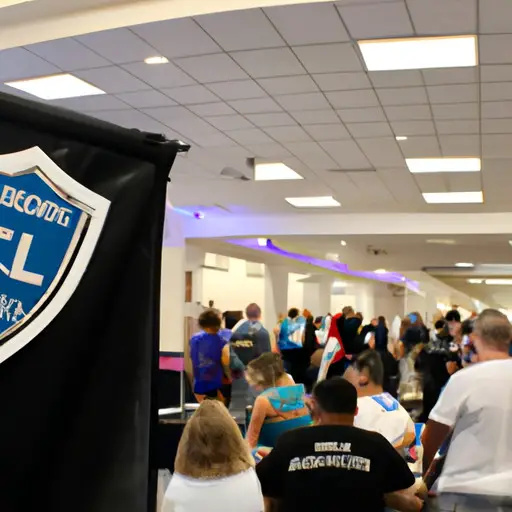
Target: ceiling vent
{"points": [[375, 251]]}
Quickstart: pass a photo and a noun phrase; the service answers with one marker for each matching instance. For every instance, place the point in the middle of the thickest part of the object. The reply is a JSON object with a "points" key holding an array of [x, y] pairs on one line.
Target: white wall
{"points": [[295, 291]]}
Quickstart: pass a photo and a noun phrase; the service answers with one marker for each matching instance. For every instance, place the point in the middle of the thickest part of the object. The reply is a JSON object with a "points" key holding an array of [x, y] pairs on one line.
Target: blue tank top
{"points": [[206, 356]]}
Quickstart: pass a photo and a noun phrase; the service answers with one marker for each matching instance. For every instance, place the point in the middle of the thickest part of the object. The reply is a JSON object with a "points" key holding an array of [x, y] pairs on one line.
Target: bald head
{"points": [[493, 330]]}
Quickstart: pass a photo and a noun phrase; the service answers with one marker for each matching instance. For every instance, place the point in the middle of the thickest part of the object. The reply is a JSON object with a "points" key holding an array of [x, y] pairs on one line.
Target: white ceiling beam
{"points": [[29, 30]]}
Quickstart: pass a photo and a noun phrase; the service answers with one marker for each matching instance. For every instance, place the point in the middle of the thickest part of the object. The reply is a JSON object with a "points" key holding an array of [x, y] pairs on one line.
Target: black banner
{"points": [[78, 402]]}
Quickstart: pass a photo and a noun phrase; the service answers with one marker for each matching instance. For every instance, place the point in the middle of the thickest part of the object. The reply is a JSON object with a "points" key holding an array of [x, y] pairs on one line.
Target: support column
{"points": [[276, 294], [172, 291], [324, 300]]}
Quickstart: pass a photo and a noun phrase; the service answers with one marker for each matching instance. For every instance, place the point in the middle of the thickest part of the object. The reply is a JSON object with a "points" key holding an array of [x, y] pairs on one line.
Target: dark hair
{"points": [[265, 369], [382, 320], [319, 320], [229, 320], [452, 316], [253, 311], [336, 396], [210, 319], [293, 313], [372, 363], [439, 324], [467, 326]]}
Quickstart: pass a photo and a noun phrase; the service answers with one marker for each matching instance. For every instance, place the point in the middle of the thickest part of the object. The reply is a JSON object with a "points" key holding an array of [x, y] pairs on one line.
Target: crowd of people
{"points": [[351, 438]]}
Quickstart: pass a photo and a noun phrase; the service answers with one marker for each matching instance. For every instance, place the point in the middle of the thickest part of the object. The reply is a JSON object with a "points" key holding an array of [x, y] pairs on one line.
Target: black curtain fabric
{"points": [[76, 403]]}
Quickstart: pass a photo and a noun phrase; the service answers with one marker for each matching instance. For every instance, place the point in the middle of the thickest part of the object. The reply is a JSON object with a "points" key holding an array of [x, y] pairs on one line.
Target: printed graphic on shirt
{"points": [[332, 447], [387, 402], [348, 462]]}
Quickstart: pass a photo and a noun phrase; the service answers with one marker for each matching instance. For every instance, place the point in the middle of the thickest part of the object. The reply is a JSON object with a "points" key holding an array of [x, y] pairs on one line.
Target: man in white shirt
{"points": [[379, 411], [476, 409]]}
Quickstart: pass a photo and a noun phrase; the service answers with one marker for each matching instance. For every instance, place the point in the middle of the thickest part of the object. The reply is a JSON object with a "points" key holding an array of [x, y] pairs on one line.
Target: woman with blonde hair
{"points": [[279, 407], [214, 469]]}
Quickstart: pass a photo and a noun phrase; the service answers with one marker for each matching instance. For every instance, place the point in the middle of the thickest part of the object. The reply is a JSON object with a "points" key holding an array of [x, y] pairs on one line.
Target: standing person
{"points": [[214, 469], [313, 468], [291, 339], [476, 406], [210, 359]]}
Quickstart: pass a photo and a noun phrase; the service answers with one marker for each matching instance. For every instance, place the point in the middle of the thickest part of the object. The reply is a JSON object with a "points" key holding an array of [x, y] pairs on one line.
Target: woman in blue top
{"points": [[279, 407]]}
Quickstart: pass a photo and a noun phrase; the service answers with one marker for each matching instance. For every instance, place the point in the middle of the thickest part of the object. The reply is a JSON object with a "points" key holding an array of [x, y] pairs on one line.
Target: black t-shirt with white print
{"points": [[332, 469]]}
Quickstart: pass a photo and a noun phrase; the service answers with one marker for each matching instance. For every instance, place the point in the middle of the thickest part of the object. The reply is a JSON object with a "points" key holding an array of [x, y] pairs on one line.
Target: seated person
{"points": [[379, 411], [209, 353], [279, 406], [214, 470], [333, 465]]}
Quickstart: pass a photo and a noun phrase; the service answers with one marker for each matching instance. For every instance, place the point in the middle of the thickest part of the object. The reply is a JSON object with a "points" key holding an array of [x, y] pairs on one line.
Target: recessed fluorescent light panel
{"points": [[453, 197], [156, 60], [275, 171], [9, 3], [441, 241], [419, 53], [420, 165], [56, 87], [313, 202], [381, 271], [400, 138], [464, 265], [475, 281], [262, 242], [498, 282]]}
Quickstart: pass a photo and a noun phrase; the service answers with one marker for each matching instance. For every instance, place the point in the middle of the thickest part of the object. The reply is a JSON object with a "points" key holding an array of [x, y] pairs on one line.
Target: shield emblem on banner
{"points": [[49, 227]]}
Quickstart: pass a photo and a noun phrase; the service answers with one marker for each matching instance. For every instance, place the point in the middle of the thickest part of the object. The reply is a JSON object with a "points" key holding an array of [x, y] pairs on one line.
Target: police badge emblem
{"points": [[49, 227]]}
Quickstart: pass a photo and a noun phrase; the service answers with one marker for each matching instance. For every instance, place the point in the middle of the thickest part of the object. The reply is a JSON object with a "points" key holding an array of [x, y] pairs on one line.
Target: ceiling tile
{"points": [[191, 95], [382, 152], [496, 73], [269, 63], [496, 110], [308, 24], [328, 58], [118, 46], [453, 93], [353, 99], [447, 76], [496, 146], [163, 75], [251, 136], [212, 68], [401, 184], [323, 132], [408, 113], [132, 119], [456, 111], [402, 96], [92, 103], [268, 151], [146, 99], [377, 20], [441, 17], [460, 145], [365, 130], [495, 17], [458, 127], [68, 54], [236, 122], [273, 119], [421, 147], [238, 90], [496, 125], [17, 63], [496, 91], [316, 117], [373, 190], [255, 106], [288, 84], [407, 78], [347, 154], [463, 181], [177, 38], [432, 182], [241, 30], [112, 80], [342, 81], [362, 115], [495, 49], [311, 154], [409, 128], [307, 101], [212, 109], [212, 140], [288, 133]]}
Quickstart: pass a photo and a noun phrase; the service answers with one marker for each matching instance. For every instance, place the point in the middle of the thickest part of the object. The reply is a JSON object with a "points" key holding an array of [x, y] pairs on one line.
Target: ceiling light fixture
{"points": [[274, 171], [510, 242], [262, 242], [464, 265], [475, 281], [56, 87], [401, 137], [380, 271], [453, 197], [419, 53], [313, 202], [156, 60], [343, 243], [441, 241], [498, 282], [465, 164], [9, 3]]}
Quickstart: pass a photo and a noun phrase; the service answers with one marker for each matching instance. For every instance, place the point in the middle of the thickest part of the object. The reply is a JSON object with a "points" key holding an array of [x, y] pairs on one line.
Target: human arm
{"points": [[403, 501], [225, 359], [259, 413]]}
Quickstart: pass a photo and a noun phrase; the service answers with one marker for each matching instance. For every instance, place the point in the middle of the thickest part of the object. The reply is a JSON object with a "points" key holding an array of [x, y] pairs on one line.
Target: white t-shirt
{"points": [[477, 403], [384, 414], [237, 493]]}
